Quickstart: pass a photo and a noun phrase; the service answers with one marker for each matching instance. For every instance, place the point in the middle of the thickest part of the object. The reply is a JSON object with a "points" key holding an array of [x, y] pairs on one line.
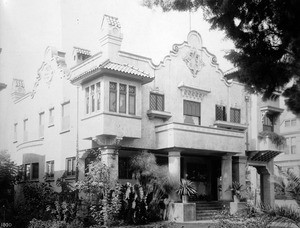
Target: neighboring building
{"points": [[290, 129], [119, 104]]}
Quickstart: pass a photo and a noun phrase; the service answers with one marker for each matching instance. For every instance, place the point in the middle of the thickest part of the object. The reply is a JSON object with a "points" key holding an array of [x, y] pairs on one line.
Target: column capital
{"points": [[174, 154], [239, 159], [227, 157]]}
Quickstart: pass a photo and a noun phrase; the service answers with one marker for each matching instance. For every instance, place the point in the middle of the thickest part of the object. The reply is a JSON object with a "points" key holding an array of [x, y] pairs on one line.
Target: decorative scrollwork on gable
{"points": [[53, 64], [193, 60]]}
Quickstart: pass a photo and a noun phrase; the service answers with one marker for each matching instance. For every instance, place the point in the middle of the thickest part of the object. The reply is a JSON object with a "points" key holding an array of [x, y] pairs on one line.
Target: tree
{"points": [[266, 38], [8, 172]]}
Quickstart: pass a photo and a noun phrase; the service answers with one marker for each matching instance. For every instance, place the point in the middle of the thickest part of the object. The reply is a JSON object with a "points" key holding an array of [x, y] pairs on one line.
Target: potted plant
{"points": [[236, 190], [186, 189]]}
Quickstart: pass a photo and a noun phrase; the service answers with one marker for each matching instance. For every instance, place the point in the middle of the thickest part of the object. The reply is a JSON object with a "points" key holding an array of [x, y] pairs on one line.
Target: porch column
{"points": [[226, 177], [267, 192], [239, 169], [110, 157], [174, 170]]}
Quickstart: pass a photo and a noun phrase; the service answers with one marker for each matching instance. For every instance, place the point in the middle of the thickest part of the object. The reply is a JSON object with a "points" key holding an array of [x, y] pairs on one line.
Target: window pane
{"points": [[93, 97], [122, 101], [41, 125], [27, 171], [66, 116], [287, 123], [51, 116], [132, 96], [221, 112], [112, 96], [98, 95], [124, 168], [191, 108], [235, 115], [35, 170], [87, 97], [293, 122], [15, 132]]}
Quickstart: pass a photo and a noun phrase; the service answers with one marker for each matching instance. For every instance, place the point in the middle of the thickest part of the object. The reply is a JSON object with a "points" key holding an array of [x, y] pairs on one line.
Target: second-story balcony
{"points": [[180, 135], [110, 124], [270, 141]]}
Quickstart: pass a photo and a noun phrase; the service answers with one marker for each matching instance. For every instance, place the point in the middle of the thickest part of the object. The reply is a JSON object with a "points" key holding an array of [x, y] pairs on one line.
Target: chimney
{"points": [[110, 37], [18, 89]]}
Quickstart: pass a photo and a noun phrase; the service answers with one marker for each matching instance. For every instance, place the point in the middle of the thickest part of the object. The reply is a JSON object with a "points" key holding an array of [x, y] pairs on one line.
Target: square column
{"points": [[110, 157], [267, 191], [174, 170], [239, 169], [226, 172]]}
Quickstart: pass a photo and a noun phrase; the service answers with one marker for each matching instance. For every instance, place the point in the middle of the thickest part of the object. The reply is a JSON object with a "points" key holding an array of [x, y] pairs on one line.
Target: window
{"points": [[132, 95], [25, 130], [31, 171], [65, 116], [98, 95], [221, 113], [51, 116], [157, 102], [15, 132], [268, 123], [87, 100], [89, 159], [124, 168], [293, 122], [293, 145], [122, 98], [192, 112], [41, 124], [71, 166], [287, 123], [35, 171], [27, 171], [93, 98], [49, 169], [235, 115], [112, 96], [288, 144]]}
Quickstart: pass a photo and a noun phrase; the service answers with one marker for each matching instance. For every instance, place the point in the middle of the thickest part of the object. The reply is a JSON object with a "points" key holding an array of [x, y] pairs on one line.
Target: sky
{"points": [[28, 27]]}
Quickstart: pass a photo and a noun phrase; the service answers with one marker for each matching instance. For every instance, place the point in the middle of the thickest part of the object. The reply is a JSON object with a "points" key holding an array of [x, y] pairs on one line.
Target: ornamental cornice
{"points": [[192, 92]]}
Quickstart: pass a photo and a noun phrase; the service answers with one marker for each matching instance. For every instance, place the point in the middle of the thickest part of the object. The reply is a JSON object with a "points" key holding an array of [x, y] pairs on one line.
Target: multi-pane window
{"points": [[192, 112], [41, 124], [125, 171], [122, 98], [93, 98], [51, 116], [235, 115], [70, 165], [87, 100], [15, 132], [293, 122], [221, 113], [157, 102], [132, 98], [50, 169], [268, 123], [65, 116], [112, 96], [98, 95], [293, 145], [25, 130]]}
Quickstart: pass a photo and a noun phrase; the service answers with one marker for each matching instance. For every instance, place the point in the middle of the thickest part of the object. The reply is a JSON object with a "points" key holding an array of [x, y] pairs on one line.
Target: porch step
{"points": [[208, 210]]}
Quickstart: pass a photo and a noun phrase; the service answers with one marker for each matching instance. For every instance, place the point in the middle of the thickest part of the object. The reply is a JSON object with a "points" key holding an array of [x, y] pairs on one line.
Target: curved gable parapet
{"points": [[54, 64]]}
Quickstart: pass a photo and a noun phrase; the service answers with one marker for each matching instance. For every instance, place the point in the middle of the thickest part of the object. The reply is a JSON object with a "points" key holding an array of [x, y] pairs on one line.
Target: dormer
{"points": [[110, 37], [80, 54], [18, 89]]}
